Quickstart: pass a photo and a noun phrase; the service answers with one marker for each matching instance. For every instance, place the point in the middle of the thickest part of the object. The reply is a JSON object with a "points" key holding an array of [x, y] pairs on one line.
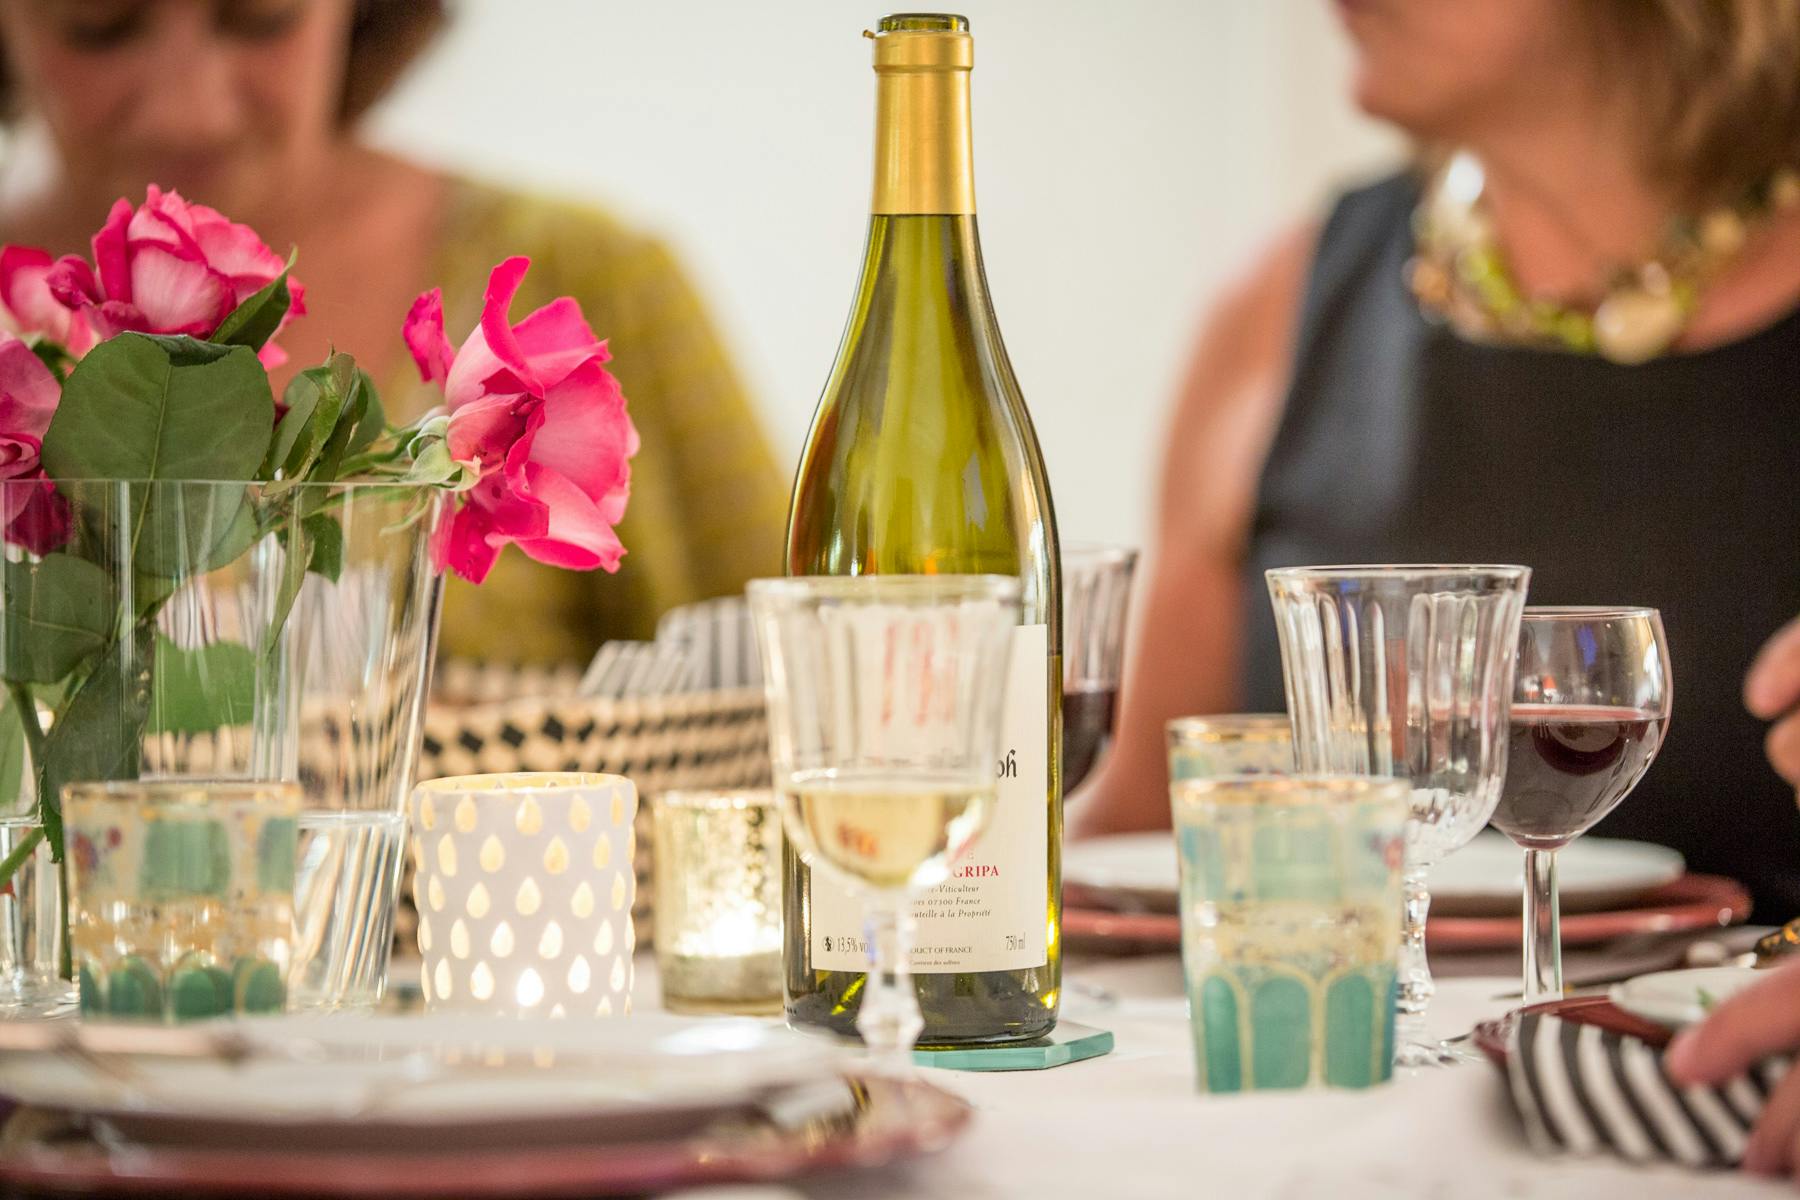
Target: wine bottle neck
{"points": [[924, 164]]}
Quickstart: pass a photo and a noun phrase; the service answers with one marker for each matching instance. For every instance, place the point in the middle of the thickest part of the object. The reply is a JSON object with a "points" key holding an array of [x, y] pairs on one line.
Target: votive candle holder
{"points": [[524, 885], [718, 900]]}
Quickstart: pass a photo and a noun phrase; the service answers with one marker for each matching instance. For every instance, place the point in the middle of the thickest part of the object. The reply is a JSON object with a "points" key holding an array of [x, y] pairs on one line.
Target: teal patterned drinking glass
{"points": [[181, 894], [1230, 744], [1290, 927]]}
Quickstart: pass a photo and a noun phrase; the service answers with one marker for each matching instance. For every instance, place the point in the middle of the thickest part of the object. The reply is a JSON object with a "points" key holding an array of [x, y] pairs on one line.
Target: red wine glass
{"points": [[1096, 585], [1589, 710]]}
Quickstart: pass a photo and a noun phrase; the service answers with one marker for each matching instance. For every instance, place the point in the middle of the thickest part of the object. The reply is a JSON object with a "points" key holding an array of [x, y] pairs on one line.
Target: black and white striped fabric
{"points": [[1588, 1090]]}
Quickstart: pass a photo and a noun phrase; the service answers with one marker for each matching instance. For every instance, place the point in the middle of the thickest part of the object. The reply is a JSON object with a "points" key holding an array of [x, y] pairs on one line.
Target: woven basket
{"points": [[661, 743]]}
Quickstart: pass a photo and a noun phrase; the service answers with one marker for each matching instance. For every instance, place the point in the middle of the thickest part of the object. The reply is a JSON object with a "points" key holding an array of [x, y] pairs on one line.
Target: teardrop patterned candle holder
{"points": [[524, 886]]}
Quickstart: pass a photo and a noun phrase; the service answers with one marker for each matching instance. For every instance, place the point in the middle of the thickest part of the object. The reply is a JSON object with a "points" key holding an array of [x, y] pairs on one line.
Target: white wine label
{"points": [[990, 914]]}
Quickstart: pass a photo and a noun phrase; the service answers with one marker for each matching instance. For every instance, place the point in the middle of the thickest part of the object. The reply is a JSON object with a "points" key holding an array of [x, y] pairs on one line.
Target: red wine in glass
{"points": [[1087, 727], [1568, 765]]}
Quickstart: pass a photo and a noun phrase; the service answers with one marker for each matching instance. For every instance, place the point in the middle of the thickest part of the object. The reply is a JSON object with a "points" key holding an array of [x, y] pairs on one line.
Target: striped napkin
{"points": [[1585, 1089]]}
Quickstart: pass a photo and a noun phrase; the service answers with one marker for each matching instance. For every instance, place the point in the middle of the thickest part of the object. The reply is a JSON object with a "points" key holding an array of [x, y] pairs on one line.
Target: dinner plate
{"points": [[1693, 902], [1137, 872], [1678, 998], [1487, 876], [1127, 871], [885, 1121], [443, 1081]]}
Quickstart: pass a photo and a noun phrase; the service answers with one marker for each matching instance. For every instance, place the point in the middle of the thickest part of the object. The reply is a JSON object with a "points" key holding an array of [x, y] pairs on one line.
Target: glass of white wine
{"points": [[885, 700]]}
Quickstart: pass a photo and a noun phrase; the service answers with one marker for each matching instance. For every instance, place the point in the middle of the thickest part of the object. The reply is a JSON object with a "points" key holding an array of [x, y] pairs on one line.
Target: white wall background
{"points": [[1129, 156]]}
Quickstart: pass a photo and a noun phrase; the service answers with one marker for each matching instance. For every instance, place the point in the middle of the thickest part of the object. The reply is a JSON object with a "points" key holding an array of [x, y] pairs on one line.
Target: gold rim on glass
{"points": [[513, 783], [1288, 790], [184, 791], [1229, 727]]}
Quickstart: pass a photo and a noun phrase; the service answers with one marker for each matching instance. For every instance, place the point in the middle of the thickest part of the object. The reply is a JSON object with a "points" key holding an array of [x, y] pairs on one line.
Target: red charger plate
{"points": [[899, 1119], [1693, 902]]}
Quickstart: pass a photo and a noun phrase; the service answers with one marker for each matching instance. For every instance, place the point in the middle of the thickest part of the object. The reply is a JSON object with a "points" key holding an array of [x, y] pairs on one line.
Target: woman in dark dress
{"points": [[1570, 339]]}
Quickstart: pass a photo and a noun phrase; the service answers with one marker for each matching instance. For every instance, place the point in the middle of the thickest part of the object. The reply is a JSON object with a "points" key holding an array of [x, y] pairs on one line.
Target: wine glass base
{"points": [[1447, 1053], [39, 1004]]}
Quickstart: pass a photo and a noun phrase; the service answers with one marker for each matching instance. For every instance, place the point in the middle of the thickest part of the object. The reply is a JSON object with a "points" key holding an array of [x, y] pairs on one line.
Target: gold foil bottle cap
{"points": [[923, 42]]}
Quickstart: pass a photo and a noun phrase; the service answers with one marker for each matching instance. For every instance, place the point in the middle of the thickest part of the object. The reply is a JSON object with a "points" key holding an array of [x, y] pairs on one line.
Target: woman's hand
{"points": [[1761, 1020], [1773, 688]]}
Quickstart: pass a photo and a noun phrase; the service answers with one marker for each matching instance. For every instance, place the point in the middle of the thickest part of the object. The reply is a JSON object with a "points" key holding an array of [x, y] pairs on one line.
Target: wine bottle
{"points": [[922, 460]]}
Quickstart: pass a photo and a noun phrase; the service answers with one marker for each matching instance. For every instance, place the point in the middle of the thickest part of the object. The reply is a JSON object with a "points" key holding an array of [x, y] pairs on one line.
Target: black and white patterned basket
{"points": [[706, 739]]}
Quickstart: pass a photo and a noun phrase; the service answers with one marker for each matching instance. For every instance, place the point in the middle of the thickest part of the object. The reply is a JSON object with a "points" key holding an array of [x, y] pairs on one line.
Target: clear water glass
{"points": [[885, 696], [255, 632], [1406, 672]]}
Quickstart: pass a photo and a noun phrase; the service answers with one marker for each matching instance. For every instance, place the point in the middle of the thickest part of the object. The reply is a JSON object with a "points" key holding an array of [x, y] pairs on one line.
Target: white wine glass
{"points": [[885, 697], [1406, 672]]}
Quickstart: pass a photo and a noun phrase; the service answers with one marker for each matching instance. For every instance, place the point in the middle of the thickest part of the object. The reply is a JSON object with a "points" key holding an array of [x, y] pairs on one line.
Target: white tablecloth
{"points": [[1131, 1125]]}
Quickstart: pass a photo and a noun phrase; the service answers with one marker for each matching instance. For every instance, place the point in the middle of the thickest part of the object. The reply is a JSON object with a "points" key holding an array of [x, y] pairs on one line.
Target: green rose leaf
{"points": [[167, 409], [54, 615], [146, 407], [255, 321], [13, 759], [200, 690], [373, 421], [334, 411], [325, 545], [100, 733], [293, 433]]}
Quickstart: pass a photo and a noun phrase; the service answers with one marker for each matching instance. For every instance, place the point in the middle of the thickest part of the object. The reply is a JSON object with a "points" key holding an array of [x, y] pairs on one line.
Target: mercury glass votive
{"points": [[524, 884], [182, 896], [718, 901]]}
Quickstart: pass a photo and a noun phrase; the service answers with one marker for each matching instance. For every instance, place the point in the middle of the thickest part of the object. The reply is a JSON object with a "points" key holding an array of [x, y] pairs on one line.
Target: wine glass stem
{"points": [[1543, 929], [888, 1018], [1415, 973]]}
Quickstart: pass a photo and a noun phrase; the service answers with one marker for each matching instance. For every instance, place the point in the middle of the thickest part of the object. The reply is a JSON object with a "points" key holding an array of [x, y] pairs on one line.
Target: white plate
{"points": [[430, 1076], [1135, 869], [1486, 877], [1677, 998]]}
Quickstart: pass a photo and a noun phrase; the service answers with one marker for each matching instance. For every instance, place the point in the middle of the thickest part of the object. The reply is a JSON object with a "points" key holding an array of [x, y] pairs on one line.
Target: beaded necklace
{"points": [[1459, 274]]}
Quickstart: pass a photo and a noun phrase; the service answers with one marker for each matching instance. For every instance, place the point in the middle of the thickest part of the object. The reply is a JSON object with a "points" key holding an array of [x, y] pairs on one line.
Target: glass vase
{"points": [[191, 630]]}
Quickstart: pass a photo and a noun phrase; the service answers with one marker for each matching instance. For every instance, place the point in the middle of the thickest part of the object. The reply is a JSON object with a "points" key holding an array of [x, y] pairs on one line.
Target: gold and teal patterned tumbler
{"points": [[182, 896], [1290, 927], [1230, 744]]}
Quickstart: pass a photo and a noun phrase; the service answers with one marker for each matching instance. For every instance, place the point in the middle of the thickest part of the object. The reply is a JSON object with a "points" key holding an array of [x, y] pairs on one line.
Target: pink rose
{"points": [[534, 410], [30, 305], [169, 267], [32, 514]]}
